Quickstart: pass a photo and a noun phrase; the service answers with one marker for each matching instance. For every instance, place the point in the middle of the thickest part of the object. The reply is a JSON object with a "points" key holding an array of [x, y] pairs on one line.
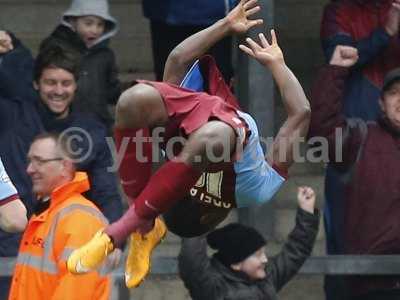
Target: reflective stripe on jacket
{"points": [[69, 222]]}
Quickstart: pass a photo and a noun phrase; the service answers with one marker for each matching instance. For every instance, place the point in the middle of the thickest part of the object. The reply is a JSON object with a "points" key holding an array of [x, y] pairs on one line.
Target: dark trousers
{"points": [[5, 284], [9, 249], [165, 37], [335, 286]]}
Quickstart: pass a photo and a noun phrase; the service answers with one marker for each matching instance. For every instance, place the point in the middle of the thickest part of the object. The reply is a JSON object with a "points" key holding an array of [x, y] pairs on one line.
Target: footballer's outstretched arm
{"points": [[236, 22], [294, 99]]}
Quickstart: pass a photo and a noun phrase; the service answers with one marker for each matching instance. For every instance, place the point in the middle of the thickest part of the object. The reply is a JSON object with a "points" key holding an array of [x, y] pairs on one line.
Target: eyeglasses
{"points": [[38, 162]]}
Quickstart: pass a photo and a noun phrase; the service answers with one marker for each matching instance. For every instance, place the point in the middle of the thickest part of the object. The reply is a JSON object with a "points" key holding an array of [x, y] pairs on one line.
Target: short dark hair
{"points": [[57, 56]]}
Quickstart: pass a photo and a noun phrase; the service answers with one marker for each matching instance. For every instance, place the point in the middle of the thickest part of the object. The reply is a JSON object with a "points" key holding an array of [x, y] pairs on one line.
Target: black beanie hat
{"points": [[235, 242]]}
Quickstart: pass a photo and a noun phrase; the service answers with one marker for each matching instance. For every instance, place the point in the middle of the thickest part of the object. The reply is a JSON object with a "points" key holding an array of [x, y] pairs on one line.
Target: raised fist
{"points": [[306, 198], [344, 56], [5, 42]]}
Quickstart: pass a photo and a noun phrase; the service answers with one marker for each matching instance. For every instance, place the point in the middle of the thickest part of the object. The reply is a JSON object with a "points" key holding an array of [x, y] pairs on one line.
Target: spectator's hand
{"points": [[113, 259], [344, 56], [238, 18], [393, 19], [306, 198], [5, 42], [264, 52], [13, 216]]}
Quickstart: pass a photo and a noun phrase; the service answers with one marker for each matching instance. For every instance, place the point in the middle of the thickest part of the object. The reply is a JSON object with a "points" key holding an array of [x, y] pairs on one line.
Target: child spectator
{"points": [[240, 268], [87, 27]]}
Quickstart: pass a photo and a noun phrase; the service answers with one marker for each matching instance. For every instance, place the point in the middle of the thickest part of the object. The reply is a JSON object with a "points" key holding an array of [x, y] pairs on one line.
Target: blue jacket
{"points": [[22, 118], [188, 12]]}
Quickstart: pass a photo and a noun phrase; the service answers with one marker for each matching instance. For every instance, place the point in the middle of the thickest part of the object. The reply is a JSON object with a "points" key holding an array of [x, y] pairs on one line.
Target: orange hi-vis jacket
{"points": [[41, 271]]}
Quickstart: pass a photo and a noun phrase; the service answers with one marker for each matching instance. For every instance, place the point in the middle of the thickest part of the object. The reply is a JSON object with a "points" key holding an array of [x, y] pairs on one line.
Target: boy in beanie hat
{"points": [[240, 268], [228, 241], [87, 27]]}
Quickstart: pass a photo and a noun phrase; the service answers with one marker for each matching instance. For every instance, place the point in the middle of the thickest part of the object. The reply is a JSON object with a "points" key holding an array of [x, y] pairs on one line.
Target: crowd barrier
{"points": [[315, 265]]}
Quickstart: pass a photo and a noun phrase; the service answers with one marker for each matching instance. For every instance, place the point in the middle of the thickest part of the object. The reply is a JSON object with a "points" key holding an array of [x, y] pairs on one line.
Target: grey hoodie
{"points": [[99, 8], [98, 83]]}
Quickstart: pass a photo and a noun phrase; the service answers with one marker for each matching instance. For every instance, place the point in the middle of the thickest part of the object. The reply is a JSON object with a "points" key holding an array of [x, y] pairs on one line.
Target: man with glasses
{"points": [[63, 220]]}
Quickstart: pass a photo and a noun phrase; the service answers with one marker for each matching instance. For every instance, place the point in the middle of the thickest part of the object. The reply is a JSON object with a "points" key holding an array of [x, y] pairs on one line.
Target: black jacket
{"points": [[208, 279], [98, 83]]}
